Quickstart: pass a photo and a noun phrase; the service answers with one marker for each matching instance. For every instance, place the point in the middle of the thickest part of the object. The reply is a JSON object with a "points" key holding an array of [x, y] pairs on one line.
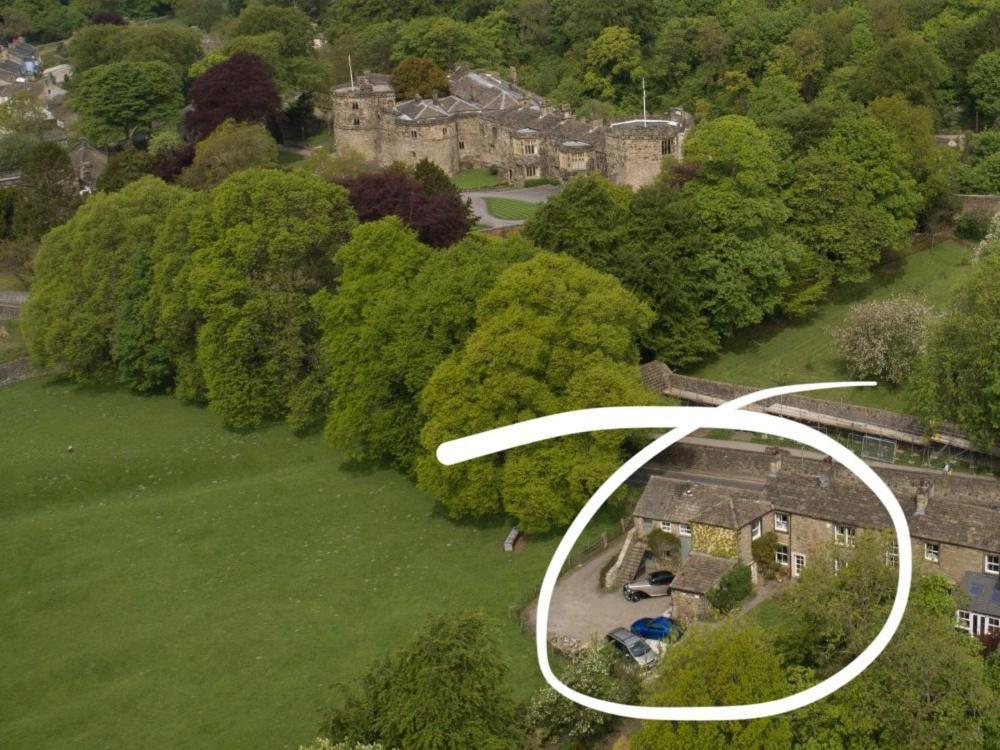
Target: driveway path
{"points": [[582, 610], [538, 194]]}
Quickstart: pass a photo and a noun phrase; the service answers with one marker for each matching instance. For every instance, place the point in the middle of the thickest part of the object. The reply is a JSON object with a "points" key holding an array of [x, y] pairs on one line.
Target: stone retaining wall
{"points": [[16, 371]]}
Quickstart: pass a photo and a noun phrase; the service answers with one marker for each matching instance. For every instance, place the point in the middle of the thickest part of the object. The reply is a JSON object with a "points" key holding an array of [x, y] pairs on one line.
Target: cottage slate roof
{"points": [[701, 573], [946, 520], [984, 591], [668, 499], [734, 511], [10, 69], [840, 501]]}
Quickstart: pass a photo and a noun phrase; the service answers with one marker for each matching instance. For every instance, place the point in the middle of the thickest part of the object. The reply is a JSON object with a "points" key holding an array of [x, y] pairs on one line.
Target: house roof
{"points": [[682, 501], [984, 591], [10, 68], [830, 500], [956, 522], [701, 573], [734, 511]]}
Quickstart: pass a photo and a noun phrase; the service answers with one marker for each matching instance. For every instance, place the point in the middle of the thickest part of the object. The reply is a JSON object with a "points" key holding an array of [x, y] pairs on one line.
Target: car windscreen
{"points": [[638, 648]]}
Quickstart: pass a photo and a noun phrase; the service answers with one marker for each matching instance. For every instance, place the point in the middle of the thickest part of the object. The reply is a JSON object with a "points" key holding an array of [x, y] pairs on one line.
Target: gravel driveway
{"points": [[581, 610]]}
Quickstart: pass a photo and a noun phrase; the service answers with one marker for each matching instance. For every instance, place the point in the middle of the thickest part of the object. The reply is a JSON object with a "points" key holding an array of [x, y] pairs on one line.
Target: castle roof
{"points": [[433, 109]]}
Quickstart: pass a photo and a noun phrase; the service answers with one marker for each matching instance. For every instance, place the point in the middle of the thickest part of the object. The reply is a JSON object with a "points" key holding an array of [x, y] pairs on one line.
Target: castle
{"points": [[488, 122]]}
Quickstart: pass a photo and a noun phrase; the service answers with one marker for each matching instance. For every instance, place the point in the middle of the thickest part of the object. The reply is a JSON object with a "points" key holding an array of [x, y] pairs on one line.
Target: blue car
{"points": [[654, 628]]}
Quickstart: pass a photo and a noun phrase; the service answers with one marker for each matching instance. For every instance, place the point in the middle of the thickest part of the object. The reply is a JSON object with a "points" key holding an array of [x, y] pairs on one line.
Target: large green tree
{"points": [[551, 336], [959, 379], [231, 148], [120, 99], [444, 690], [267, 246]]}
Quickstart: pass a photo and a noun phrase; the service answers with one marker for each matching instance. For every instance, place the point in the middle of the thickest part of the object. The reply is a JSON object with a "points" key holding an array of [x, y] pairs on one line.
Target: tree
{"points": [[613, 62], [773, 98], [128, 165], [75, 314], [102, 44], [48, 191], [120, 99], [984, 83], [416, 77], [22, 113], [241, 88], [201, 13], [445, 42], [597, 671], [441, 691], [440, 219], [959, 379], [905, 65], [732, 664], [433, 179], [231, 148], [732, 589], [883, 339], [400, 309], [294, 25], [551, 336], [268, 248]]}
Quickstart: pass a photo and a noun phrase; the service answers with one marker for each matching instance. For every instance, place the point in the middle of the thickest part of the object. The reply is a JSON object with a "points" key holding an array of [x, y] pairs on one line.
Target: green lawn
{"points": [[511, 208], [13, 346], [779, 352], [169, 583], [476, 179], [769, 614], [10, 283]]}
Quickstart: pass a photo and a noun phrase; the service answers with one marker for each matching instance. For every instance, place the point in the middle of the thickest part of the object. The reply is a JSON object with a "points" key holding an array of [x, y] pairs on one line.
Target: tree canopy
{"points": [[240, 88]]}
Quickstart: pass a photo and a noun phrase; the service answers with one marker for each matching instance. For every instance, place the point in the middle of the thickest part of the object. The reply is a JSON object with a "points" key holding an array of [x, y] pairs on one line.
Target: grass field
{"points": [[780, 352], [172, 584], [476, 179], [511, 208], [289, 157]]}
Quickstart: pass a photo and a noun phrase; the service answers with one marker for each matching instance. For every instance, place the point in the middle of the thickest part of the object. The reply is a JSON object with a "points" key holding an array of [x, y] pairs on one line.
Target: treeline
{"points": [[266, 299]]}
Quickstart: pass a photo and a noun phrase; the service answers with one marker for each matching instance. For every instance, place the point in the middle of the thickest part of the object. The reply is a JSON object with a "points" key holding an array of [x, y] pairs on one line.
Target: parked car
{"points": [[655, 584], [654, 628], [633, 647]]}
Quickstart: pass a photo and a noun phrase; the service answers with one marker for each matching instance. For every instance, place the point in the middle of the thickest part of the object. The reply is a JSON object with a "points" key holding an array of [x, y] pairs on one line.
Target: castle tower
{"points": [[357, 116], [636, 148]]}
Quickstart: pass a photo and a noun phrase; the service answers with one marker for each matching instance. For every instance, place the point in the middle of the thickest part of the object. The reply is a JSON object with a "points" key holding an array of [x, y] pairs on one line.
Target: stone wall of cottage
{"points": [[954, 560], [690, 607], [713, 540]]}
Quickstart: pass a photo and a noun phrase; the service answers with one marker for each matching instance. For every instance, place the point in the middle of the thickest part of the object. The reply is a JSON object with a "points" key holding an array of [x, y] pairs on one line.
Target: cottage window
{"points": [[530, 171], [756, 529], [781, 555], [843, 535], [963, 620], [461, 145], [892, 553], [992, 625], [666, 526], [781, 522], [798, 563], [932, 552], [666, 147], [993, 564], [838, 564], [685, 529]]}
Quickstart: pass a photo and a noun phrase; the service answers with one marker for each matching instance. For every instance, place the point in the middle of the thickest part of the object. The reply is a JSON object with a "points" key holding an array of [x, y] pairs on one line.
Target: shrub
{"points": [[883, 339], [972, 225], [494, 170], [662, 544], [535, 181], [763, 549], [734, 587]]}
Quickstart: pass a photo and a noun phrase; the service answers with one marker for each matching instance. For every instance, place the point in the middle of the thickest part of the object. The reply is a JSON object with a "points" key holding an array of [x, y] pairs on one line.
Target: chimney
{"points": [[775, 454], [924, 493]]}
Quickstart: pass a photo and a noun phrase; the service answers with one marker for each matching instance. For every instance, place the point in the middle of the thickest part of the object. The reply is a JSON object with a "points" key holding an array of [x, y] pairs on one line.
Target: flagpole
{"points": [[351, 69], [644, 101]]}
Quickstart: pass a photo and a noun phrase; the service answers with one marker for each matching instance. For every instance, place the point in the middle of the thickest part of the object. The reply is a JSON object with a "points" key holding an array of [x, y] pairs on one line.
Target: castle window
{"points": [[530, 171], [529, 148], [932, 552], [993, 564], [354, 105], [357, 121], [413, 154], [666, 147], [413, 134], [444, 131], [461, 145]]}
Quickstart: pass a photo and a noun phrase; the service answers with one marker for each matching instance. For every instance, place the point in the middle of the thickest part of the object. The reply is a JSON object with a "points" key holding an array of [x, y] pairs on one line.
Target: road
{"points": [[538, 194]]}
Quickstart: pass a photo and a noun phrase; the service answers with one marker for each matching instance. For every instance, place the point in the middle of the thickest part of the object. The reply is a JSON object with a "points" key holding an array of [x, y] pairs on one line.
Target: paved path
{"points": [[581, 610], [538, 194]]}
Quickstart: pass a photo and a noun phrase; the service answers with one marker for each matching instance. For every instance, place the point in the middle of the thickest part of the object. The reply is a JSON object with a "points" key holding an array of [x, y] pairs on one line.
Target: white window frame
{"points": [[843, 536], [838, 565], [892, 553], [666, 526], [932, 552], [963, 620], [992, 625], [991, 564], [781, 555], [781, 521], [757, 529], [798, 563], [684, 529]]}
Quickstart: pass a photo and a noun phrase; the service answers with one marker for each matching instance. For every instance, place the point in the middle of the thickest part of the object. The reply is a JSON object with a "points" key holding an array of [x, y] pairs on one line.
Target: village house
{"points": [[487, 122], [957, 534]]}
